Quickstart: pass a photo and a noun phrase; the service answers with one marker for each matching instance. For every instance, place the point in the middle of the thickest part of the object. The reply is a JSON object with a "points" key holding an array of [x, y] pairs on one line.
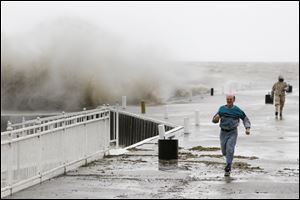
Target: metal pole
{"points": [[40, 148], [186, 125], [84, 112], [23, 126], [143, 107], [123, 102], [197, 118], [117, 125], [166, 112], [38, 122], [161, 130], [190, 95], [10, 158], [9, 127]]}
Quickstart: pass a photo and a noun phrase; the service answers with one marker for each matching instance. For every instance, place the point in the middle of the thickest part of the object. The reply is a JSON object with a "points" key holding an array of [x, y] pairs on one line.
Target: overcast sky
{"points": [[194, 31]]}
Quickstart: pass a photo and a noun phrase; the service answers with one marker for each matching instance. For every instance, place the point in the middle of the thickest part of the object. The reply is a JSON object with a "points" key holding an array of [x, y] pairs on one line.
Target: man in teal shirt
{"points": [[230, 116]]}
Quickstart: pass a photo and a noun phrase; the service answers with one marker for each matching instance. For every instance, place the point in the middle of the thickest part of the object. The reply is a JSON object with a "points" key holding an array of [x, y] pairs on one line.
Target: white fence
{"points": [[43, 120], [40, 149], [36, 153]]}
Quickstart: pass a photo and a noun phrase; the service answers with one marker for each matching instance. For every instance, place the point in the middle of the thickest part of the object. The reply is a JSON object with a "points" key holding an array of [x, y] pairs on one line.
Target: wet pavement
{"points": [[266, 163]]}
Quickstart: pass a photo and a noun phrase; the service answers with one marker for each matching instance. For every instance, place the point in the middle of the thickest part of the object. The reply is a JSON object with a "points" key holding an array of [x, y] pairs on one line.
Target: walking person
{"points": [[230, 116], [278, 94]]}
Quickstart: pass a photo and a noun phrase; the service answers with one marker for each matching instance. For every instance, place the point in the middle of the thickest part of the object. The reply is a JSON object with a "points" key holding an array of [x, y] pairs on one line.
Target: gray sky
{"points": [[197, 31]]}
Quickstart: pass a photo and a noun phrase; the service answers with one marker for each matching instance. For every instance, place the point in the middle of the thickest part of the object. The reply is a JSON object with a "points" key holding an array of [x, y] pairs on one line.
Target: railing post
{"points": [[166, 112], [18, 161], [197, 118], [40, 148], [117, 125], [123, 102], [23, 122], [63, 154], [18, 149], [64, 117], [186, 125], [84, 111], [9, 126], [114, 125], [190, 95], [211, 91], [85, 149], [107, 129], [62, 149], [143, 107], [23, 125], [10, 158], [161, 131], [38, 122]]}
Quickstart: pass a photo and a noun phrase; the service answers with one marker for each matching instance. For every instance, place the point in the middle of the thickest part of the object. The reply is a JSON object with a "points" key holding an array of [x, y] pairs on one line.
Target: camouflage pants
{"points": [[279, 103]]}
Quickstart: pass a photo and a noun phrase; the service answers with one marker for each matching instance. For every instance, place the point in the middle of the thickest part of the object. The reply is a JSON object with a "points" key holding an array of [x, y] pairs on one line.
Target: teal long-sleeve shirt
{"points": [[230, 117]]}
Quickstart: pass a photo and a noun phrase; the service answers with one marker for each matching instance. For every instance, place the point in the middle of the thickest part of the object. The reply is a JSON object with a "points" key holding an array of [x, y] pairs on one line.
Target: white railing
{"points": [[33, 154], [47, 123], [43, 120], [47, 147]]}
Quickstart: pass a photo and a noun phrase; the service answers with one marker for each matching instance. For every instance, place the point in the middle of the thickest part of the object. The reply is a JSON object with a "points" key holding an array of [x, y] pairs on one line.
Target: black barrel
{"points": [[290, 89], [167, 149], [268, 99], [211, 91]]}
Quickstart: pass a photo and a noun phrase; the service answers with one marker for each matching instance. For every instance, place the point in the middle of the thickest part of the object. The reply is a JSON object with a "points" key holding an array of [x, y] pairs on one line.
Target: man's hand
{"points": [[247, 131], [272, 95], [216, 118]]}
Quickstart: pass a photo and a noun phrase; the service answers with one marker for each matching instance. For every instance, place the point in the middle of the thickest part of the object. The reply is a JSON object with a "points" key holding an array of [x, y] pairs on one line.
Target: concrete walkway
{"points": [[266, 163]]}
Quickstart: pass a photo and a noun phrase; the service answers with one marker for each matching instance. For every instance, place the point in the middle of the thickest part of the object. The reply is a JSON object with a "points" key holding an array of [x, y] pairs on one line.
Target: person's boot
{"points": [[276, 114], [227, 170], [280, 111]]}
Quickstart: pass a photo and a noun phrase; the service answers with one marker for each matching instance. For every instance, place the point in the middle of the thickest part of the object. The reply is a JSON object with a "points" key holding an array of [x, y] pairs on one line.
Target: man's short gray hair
{"points": [[231, 95]]}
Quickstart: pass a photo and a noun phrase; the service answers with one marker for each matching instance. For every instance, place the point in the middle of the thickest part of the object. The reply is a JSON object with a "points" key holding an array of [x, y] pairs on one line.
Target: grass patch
{"points": [[114, 156], [201, 148], [236, 165], [109, 156], [211, 156], [137, 149], [245, 166], [221, 156], [246, 157], [186, 155]]}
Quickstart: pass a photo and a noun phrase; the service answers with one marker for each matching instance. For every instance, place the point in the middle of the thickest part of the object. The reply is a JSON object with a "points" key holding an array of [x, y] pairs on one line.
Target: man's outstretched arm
{"points": [[247, 125]]}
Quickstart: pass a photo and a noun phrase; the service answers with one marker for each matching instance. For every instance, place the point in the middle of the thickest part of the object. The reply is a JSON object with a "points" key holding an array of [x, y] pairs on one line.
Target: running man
{"points": [[230, 116]]}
